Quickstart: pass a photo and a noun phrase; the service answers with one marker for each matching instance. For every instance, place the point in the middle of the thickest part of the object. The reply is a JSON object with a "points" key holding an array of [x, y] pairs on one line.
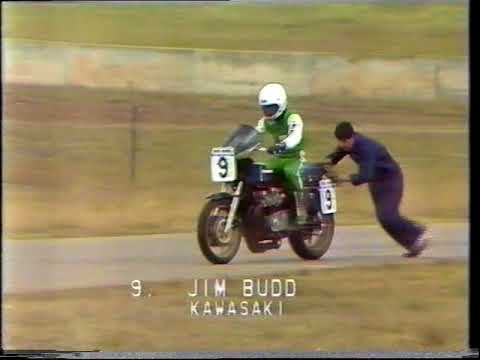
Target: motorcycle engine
{"points": [[271, 198], [278, 221]]}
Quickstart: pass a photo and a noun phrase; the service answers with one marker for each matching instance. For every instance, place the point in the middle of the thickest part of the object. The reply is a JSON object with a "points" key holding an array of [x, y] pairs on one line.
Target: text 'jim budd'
{"points": [[249, 288]]}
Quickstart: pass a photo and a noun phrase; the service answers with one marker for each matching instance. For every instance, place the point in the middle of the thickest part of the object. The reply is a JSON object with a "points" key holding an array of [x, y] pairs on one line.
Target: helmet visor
{"points": [[270, 110]]}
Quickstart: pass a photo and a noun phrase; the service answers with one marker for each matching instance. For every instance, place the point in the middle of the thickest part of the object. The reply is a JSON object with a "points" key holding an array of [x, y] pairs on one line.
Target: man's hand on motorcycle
{"points": [[328, 167], [330, 171], [332, 175], [277, 148]]}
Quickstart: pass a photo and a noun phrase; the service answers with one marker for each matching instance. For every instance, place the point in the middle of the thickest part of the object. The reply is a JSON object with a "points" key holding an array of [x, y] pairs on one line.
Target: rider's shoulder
{"points": [[294, 117]]}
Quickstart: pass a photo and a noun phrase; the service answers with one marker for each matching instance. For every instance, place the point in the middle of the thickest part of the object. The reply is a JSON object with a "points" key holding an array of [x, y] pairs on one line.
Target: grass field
{"points": [[66, 158], [400, 308], [350, 31]]}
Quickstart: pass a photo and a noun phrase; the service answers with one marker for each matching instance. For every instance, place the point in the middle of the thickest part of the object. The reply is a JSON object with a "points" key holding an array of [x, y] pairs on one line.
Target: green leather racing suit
{"points": [[287, 128]]}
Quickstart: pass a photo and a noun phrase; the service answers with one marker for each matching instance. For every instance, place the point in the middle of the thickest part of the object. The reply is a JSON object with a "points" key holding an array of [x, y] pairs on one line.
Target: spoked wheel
{"points": [[312, 244], [216, 245]]}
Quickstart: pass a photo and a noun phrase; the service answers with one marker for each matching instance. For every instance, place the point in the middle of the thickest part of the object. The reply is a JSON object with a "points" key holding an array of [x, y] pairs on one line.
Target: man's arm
{"points": [[336, 156], [367, 167]]}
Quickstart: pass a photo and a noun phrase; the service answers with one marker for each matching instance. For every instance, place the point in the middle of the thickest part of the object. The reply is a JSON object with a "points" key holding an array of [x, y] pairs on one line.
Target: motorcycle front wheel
{"points": [[216, 245]]}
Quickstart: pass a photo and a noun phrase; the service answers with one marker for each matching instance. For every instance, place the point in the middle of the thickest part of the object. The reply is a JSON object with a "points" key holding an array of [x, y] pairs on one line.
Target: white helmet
{"points": [[273, 100]]}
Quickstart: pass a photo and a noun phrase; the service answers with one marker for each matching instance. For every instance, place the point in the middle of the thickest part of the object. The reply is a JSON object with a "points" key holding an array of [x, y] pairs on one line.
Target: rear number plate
{"points": [[328, 200]]}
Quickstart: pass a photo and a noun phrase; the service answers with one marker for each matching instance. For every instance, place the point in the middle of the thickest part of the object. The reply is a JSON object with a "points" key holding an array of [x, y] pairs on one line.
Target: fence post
{"points": [[133, 133], [436, 82]]}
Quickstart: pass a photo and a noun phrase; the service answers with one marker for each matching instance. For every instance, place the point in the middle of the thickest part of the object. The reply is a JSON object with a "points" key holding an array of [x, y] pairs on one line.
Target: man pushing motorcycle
{"points": [[385, 182], [286, 128]]}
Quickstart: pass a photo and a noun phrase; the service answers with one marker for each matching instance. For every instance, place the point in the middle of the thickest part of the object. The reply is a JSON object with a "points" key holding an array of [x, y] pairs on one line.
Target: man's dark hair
{"points": [[344, 131]]}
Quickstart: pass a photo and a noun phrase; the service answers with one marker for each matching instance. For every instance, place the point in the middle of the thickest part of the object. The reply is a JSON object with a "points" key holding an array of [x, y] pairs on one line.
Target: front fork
{"points": [[233, 207]]}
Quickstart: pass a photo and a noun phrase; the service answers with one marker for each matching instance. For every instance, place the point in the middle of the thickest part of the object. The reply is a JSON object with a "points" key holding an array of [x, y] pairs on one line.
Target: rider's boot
{"points": [[300, 203]]}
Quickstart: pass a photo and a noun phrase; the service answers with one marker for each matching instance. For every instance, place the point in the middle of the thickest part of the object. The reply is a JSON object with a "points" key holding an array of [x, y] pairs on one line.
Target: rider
{"points": [[286, 128]]}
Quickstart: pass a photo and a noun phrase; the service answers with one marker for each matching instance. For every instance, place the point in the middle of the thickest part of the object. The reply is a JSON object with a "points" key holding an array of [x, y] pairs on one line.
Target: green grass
{"points": [[352, 31], [399, 308], [66, 159]]}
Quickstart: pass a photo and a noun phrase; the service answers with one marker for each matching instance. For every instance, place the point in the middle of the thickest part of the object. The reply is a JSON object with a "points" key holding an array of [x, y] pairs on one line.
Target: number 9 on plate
{"points": [[223, 165]]}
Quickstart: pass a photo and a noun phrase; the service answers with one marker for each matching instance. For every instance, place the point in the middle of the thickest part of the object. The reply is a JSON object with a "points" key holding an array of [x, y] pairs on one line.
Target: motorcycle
{"points": [[254, 204]]}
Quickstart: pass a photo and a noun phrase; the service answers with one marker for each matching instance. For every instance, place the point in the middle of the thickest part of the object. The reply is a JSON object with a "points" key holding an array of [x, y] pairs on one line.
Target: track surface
{"points": [[41, 265]]}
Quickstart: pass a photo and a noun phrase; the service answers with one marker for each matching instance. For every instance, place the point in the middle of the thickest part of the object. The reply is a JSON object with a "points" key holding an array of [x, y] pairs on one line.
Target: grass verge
{"points": [[400, 308], [351, 31]]}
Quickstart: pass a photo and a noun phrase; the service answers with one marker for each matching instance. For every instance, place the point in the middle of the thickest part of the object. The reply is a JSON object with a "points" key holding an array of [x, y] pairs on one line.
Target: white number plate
{"points": [[328, 200], [223, 166]]}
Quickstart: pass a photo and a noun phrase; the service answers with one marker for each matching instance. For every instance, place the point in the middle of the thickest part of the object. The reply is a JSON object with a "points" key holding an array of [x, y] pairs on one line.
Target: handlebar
{"points": [[336, 181], [262, 149]]}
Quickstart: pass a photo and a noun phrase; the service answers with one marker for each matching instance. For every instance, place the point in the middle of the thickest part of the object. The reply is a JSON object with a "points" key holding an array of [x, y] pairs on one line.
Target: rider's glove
{"points": [[277, 148]]}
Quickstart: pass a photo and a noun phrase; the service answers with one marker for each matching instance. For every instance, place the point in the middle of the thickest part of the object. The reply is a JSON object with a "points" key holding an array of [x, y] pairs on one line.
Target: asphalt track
{"points": [[42, 265]]}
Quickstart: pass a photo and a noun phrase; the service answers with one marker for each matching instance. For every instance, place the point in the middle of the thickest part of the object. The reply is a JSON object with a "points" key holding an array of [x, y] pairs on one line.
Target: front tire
{"points": [[210, 233], [313, 244]]}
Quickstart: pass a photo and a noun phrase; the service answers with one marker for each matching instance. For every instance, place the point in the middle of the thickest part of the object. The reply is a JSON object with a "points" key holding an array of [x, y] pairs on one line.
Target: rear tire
{"points": [[299, 240], [207, 237]]}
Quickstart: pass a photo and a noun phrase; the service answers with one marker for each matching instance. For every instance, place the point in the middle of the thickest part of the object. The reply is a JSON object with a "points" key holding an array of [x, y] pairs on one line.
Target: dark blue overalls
{"points": [[385, 182]]}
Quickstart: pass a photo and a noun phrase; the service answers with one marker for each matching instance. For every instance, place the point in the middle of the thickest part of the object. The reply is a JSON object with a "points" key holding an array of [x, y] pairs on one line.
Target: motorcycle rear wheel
{"points": [[312, 245]]}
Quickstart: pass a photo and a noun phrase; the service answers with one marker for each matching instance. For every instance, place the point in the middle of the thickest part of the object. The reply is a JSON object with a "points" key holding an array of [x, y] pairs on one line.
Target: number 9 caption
{"points": [[137, 288]]}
